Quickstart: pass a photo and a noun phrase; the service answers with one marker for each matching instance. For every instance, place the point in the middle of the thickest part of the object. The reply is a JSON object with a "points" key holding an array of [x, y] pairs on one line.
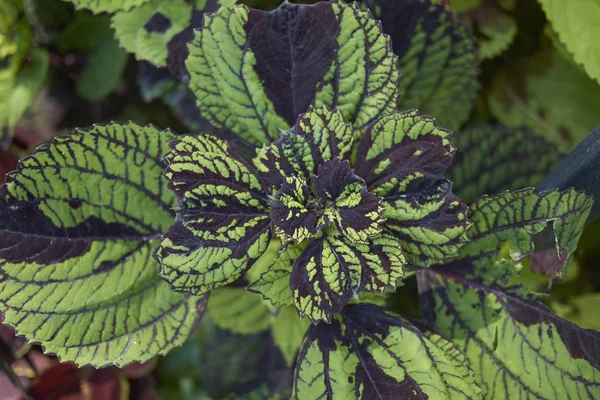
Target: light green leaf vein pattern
{"points": [[109, 6], [79, 220]]}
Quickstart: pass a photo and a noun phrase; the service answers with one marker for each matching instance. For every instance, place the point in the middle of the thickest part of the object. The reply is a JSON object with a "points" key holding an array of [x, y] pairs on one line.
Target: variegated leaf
{"points": [[222, 225], [331, 271], [402, 158], [254, 72], [78, 222], [370, 353]]}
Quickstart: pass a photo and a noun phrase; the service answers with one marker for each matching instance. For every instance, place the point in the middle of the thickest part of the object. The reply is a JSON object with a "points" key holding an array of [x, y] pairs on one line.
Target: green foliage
{"points": [[110, 6], [438, 58], [103, 71], [558, 101], [494, 158], [22, 69], [577, 29], [498, 31], [368, 352], [304, 200], [146, 30], [75, 249]]}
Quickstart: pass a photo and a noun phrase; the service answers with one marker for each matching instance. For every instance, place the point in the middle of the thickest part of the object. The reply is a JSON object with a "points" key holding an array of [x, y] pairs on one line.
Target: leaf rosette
{"points": [[350, 216]]}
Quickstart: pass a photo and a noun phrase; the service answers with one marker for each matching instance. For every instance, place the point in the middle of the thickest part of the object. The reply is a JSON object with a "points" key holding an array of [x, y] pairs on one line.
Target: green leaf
{"points": [[516, 346], [78, 222], [515, 217], [582, 310], [27, 84], [84, 33], [109, 6], [238, 310], [402, 158], [255, 72], [146, 30], [222, 225], [288, 330], [274, 284], [438, 58], [368, 352], [103, 71], [498, 30], [494, 158], [580, 38], [556, 100]]}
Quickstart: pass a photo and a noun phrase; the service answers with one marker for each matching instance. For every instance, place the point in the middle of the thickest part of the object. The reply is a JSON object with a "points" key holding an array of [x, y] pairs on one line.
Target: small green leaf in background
{"points": [[549, 95], [255, 72], [438, 58], [84, 33], [497, 31], [238, 310], [108, 6], [78, 222], [583, 310], [288, 330], [368, 352], [577, 26], [103, 71], [493, 158], [146, 30]]}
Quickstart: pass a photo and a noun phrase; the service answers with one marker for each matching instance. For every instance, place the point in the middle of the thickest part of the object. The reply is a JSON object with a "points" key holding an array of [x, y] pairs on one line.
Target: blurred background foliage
{"points": [[62, 68]]}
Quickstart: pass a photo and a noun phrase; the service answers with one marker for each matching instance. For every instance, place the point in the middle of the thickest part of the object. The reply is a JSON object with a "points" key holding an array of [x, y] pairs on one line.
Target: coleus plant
{"points": [[114, 237]]}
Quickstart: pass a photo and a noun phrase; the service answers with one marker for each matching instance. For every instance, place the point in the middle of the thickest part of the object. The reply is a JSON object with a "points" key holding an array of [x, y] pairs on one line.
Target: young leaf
{"points": [[253, 72], [493, 158], [402, 158], [580, 40], [109, 6], [78, 222], [517, 347], [146, 30], [222, 225], [369, 352], [438, 58], [305, 192], [238, 310], [331, 271]]}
